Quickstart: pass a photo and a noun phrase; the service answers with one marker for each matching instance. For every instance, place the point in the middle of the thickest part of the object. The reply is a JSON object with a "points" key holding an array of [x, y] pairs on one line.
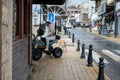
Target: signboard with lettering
{"points": [[102, 9], [51, 17]]}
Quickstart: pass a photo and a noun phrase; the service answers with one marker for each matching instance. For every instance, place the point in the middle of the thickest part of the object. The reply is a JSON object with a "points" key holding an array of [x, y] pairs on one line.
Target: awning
{"points": [[50, 2], [59, 11], [95, 17]]}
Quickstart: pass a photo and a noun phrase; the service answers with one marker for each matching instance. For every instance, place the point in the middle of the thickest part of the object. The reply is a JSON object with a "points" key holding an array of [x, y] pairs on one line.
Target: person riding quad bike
{"points": [[43, 43]]}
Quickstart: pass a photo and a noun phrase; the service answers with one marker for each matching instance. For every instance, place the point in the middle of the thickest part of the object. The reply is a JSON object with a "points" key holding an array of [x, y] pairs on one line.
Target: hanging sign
{"points": [[51, 17]]}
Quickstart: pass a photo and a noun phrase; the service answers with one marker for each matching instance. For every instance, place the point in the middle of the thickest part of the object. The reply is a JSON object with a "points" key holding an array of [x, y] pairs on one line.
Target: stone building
{"points": [[15, 37], [107, 14], [15, 31], [73, 14], [117, 10], [84, 14]]}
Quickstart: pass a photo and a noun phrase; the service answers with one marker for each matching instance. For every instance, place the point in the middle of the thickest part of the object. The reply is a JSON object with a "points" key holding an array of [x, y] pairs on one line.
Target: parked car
{"points": [[68, 25]]}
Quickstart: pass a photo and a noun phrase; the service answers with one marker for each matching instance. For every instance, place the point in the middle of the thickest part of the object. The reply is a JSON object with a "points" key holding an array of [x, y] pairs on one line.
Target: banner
{"points": [[51, 17]]}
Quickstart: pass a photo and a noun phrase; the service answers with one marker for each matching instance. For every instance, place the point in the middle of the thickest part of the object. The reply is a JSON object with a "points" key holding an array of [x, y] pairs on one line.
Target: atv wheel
{"points": [[36, 54], [57, 52]]}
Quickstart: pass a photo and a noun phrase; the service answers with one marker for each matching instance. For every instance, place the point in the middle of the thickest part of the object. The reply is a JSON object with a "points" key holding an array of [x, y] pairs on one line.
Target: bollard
{"points": [[90, 60], [101, 69], [73, 38], [83, 51], [78, 46], [69, 34]]}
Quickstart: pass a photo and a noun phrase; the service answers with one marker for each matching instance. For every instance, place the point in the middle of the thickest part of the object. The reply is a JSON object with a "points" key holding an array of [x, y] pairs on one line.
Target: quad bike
{"points": [[39, 46]]}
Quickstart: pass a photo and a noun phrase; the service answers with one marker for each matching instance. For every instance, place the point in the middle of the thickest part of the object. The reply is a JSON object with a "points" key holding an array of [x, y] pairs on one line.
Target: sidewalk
{"points": [[111, 38], [68, 67]]}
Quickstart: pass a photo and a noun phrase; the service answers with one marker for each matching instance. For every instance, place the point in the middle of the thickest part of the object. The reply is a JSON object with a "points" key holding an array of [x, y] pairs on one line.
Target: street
{"points": [[109, 50]]}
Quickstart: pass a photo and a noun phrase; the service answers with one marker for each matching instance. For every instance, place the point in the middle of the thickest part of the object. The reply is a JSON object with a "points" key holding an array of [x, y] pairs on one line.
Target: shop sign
{"points": [[51, 17], [102, 9], [117, 6]]}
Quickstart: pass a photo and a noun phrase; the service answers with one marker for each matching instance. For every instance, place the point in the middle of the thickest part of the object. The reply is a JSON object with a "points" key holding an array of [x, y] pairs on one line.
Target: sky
{"points": [[76, 2]]}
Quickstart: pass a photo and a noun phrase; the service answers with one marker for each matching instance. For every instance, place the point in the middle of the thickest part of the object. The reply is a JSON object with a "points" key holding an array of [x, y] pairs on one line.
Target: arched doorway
{"points": [[59, 14]]}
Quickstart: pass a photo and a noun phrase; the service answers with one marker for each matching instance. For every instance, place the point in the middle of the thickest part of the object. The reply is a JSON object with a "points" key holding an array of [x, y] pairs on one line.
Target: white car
{"points": [[68, 25]]}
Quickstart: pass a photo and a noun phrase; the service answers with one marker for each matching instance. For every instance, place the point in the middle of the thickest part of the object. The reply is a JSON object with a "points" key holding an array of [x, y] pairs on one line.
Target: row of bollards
{"points": [[90, 58]]}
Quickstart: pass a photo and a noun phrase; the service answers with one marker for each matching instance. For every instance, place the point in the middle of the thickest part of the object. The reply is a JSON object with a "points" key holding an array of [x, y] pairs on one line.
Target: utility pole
{"points": [[65, 13], [40, 15], [115, 29]]}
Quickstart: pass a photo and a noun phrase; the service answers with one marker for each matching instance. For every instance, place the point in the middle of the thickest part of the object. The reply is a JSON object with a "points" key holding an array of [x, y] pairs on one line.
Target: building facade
{"points": [[118, 17], [91, 12], [108, 19], [15, 40], [16, 37], [84, 14]]}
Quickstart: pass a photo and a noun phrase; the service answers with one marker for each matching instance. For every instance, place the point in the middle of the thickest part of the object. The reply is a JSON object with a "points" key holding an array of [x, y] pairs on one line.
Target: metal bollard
{"points": [[78, 46], [101, 69], [83, 51], [69, 34], [73, 38], [90, 59]]}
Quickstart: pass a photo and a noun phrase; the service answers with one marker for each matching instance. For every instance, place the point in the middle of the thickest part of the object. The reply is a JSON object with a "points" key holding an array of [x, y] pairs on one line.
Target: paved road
{"points": [[110, 51]]}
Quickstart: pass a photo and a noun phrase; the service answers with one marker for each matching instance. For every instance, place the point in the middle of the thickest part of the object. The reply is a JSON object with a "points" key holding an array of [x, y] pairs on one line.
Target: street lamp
{"points": [[115, 29], [40, 15]]}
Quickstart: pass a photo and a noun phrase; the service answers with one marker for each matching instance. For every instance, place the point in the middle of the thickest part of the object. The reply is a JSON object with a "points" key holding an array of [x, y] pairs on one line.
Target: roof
{"points": [[50, 2]]}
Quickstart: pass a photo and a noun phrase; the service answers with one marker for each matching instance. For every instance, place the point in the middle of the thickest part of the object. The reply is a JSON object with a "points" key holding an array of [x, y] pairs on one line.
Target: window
{"points": [[18, 19], [25, 19]]}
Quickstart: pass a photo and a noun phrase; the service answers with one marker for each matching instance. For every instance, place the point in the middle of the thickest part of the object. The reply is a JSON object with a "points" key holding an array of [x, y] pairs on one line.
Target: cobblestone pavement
{"points": [[68, 67]]}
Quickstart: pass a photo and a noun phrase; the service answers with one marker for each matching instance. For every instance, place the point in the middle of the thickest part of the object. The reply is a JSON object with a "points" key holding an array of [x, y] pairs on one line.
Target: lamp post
{"points": [[40, 15], [115, 29], [65, 19]]}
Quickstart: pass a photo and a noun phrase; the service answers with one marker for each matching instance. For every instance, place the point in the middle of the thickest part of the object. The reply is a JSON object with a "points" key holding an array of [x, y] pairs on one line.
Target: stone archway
{"points": [[59, 14], [57, 10]]}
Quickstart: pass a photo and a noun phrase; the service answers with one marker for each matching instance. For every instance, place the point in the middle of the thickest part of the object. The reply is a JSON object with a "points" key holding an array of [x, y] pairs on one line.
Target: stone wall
{"points": [[13, 53], [20, 59], [20, 53], [6, 30]]}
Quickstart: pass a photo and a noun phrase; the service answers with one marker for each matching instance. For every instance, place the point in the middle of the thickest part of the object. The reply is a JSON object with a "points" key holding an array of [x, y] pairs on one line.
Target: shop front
{"points": [[118, 17], [106, 13], [101, 13]]}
